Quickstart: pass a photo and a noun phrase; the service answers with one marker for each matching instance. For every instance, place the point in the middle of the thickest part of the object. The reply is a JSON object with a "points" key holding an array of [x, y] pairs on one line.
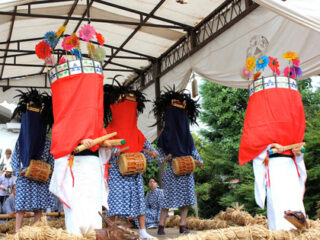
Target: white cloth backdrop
{"points": [[221, 60], [305, 13]]}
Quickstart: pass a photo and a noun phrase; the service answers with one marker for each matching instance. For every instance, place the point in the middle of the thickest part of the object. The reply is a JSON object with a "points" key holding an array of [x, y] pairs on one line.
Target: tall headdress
{"points": [[176, 109]]}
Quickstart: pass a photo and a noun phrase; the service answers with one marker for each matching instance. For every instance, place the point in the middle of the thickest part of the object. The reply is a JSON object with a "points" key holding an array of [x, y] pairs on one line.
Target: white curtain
{"points": [[221, 60], [305, 13]]}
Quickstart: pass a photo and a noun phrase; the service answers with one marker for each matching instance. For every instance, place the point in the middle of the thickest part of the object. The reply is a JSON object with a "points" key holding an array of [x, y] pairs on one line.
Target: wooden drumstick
{"points": [[149, 153], [167, 157], [114, 142], [124, 149], [286, 148], [198, 163], [96, 141], [121, 150]]}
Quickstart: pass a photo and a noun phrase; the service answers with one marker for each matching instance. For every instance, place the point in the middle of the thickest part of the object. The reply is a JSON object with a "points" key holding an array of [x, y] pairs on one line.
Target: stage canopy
{"points": [[159, 43]]}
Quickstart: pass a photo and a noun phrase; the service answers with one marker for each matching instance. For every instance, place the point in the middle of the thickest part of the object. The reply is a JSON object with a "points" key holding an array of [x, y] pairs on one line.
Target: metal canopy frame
{"points": [[222, 18]]}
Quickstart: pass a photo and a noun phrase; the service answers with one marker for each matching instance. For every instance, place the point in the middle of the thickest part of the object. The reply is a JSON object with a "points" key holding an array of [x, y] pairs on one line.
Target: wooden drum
{"points": [[37, 170], [132, 163], [183, 165]]}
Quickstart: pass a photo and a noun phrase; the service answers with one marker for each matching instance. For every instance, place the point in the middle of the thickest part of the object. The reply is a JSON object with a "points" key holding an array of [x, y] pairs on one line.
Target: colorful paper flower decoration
{"points": [[99, 54], [50, 38], [66, 45], [76, 52], [298, 72], [274, 65], [62, 60], [290, 55], [50, 60], [91, 49], [43, 50], [245, 73], [289, 72], [262, 63], [74, 41], [100, 38], [256, 76], [296, 62], [60, 31], [87, 32], [250, 63]]}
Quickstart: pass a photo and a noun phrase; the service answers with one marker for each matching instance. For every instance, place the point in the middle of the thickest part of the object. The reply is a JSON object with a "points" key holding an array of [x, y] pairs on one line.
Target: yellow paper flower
{"points": [[91, 48], [250, 63], [60, 31], [290, 55]]}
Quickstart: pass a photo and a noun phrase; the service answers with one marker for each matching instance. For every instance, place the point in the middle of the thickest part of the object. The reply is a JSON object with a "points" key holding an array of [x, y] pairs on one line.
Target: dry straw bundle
{"points": [[42, 231], [256, 232], [231, 217]]}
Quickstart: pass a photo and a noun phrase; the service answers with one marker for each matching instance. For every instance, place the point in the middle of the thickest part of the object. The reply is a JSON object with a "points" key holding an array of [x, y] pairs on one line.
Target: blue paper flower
{"points": [[76, 53], [298, 72], [51, 39], [262, 63]]}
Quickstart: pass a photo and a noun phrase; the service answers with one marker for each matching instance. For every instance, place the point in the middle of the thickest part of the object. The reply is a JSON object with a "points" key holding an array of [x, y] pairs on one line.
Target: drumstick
{"points": [[149, 152], [114, 142], [124, 149], [289, 147], [198, 163], [167, 157], [95, 141], [121, 150]]}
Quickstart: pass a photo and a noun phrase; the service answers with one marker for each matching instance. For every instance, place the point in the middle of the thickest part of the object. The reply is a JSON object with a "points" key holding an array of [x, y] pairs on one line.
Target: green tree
{"points": [[311, 101]]}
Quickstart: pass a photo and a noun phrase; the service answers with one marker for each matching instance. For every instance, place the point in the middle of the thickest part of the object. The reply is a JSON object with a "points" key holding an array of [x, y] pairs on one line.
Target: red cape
{"points": [[78, 111], [274, 115], [124, 122]]}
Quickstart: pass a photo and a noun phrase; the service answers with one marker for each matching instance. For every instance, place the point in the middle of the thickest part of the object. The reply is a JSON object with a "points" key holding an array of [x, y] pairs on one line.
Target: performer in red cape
{"points": [[274, 119], [126, 197], [78, 119]]}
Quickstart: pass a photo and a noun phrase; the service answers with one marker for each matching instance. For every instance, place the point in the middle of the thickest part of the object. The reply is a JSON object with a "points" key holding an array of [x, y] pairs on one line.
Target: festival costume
{"points": [[275, 115], [126, 196], [32, 143], [78, 112], [176, 139]]}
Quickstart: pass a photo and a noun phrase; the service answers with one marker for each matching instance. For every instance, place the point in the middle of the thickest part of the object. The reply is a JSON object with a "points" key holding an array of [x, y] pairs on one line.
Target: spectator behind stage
{"points": [[5, 160], [7, 181], [153, 202], [9, 205]]}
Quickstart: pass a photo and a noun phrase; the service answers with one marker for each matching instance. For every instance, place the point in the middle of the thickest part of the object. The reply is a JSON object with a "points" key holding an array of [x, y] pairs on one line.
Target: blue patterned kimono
{"points": [[32, 195], [126, 196], [178, 190], [176, 140]]}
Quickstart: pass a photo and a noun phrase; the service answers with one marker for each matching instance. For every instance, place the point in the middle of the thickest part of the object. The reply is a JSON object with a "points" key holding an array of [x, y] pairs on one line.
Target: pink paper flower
{"points": [[246, 73], [50, 60], [62, 60], [66, 44], [289, 72], [296, 62], [87, 32]]}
